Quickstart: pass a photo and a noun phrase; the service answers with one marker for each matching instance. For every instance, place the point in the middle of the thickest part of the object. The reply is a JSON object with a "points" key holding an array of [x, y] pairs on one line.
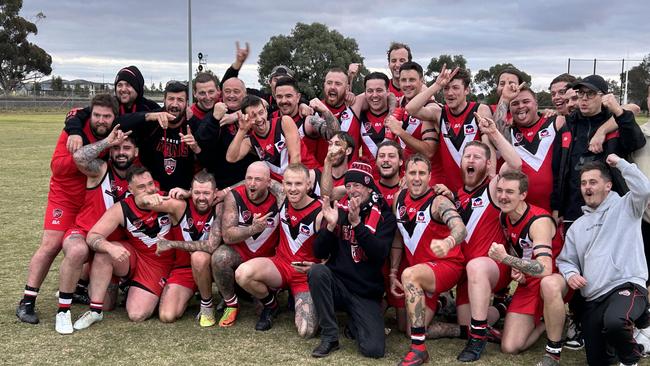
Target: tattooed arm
{"points": [[541, 231], [230, 229], [325, 125], [96, 238], [209, 245], [444, 210], [87, 157], [277, 190]]}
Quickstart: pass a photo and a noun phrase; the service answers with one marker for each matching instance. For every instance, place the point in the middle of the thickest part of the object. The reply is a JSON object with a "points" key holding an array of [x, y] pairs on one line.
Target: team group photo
{"points": [[253, 185]]}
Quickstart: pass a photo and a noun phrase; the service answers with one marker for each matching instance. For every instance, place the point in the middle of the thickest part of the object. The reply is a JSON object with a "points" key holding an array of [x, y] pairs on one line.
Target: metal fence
{"points": [[35, 103]]}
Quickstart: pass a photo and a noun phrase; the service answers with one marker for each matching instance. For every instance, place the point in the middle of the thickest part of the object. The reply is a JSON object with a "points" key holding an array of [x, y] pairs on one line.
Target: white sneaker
{"points": [[642, 337], [87, 319], [63, 323]]}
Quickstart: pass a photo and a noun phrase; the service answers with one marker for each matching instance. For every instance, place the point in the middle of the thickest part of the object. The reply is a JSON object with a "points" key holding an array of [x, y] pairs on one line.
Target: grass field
{"points": [[26, 144]]}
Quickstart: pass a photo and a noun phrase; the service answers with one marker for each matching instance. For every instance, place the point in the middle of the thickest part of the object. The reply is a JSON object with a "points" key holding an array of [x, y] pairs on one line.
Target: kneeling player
{"points": [[136, 257], [531, 234], [249, 228], [300, 217], [431, 229], [197, 237]]}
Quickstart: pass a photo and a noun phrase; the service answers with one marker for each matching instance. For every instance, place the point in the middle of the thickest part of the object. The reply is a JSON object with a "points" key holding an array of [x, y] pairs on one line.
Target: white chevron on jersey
{"points": [[255, 243], [185, 229], [469, 134], [478, 205], [280, 146], [345, 118], [535, 159], [165, 224], [422, 220], [304, 232]]}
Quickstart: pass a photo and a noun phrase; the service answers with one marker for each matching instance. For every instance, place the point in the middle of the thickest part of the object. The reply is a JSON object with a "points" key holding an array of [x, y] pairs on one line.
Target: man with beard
{"points": [[167, 145], [301, 218], [249, 229], [456, 119], [355, 244], [398, 54], [105, 186], [146, 217], [430, 231], [65, 198], [414, 134], [509, 80], [559, 86], [196, 237], [340, 153], [129, 92], [276, 141]]}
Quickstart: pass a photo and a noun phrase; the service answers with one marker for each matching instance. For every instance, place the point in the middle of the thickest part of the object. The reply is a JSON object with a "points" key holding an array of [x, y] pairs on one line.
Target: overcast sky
{"points": [[94, 39]]}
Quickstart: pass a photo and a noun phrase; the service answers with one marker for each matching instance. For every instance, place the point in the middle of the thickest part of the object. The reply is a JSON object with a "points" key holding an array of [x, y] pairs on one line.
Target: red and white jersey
{"points": [[298, 232], [518, 233], [397, 92], [388, 193], [455, 132], [261, 244], [534, 145], [418, 228], [412, 125], [373, 132], [481, 218], [100, 198], [273, 149], [143, 228], [193, 226], [306, 142]]}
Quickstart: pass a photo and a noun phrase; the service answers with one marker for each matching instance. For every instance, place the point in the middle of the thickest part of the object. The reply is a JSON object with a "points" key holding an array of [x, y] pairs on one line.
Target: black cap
{"points": [[281, 70], [593, 82], [133, 76]]}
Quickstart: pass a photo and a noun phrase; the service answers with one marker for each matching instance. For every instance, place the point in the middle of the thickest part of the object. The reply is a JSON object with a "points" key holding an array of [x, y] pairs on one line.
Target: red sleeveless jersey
{"points": [[193, 226], [481, 218], [143, 228], [272, 149], [518, 235], [418, 228], [455, 132], [534, 145], [308, 145], [388, 193], [373, 132], [261, 244], [397, 92], [100, 198], [298, 232], [412, 126]]}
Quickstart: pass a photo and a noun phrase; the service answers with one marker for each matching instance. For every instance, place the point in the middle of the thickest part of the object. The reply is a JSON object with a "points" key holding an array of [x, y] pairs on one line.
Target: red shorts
{"points": [[392, 300], [462, 295], [59, 216], [447, 275], [75, 231], [183, 277], [147, 271], [292, 279], [527, 299]]}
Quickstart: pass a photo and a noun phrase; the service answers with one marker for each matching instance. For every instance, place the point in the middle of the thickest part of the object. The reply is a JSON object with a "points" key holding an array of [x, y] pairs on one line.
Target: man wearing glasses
{"points": [[595, 107]]}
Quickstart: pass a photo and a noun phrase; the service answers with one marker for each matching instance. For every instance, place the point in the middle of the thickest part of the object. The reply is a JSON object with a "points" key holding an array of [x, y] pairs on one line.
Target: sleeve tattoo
{"points": [[528, 266], [209, 245], [87, 158], [232, 233], [327, 125], [447, 213], [276, 189]]}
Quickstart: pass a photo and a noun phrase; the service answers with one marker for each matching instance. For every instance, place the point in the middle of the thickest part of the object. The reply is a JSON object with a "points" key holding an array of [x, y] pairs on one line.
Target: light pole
{"points": [[189, 51]]}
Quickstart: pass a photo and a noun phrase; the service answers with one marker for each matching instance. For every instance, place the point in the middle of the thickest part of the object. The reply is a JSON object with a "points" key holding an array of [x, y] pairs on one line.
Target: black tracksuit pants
{"points": [[367, 321]]}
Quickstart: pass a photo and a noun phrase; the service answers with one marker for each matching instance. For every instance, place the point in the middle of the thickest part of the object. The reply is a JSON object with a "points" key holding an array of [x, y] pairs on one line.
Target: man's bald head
{"points": [[258, 179], [234, 91]]}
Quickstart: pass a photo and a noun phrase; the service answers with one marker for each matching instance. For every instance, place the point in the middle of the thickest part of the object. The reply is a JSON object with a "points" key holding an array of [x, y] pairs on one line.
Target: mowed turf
{"points": [[26, 145]]}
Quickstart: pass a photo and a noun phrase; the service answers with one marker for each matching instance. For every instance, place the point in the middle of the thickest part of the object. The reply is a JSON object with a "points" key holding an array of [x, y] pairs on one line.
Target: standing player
{"points": [[300, 217], [275, 141], [195, 238], [136, 257], [457, 122], [398, 54], [340, 154], [249, 229], [105, 186], [64, 200], [430, 231], [531, 235]]}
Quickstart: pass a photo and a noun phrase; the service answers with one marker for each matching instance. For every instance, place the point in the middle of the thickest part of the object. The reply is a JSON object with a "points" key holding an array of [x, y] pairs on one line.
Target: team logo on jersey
{"points": [[163, 220], [270, 222], [477, 202], [544, 133], [344, 115], [357, 253], [519, 137], [470, 130], [524, 243], [206, 228], [402, 210], [413, 120], [170, 165], [57, 213], [367, 126], [280, 145], [246, 215], [625, 293], [305, 230], [190, 222], [138, 224], [420, 217]]}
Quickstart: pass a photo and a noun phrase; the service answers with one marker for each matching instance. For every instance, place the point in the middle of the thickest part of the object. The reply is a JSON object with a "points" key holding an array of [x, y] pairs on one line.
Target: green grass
{"points": [[26, 144]]}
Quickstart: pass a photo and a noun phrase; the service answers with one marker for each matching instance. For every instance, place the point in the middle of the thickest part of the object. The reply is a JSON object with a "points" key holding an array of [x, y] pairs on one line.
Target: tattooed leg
{"points": [[306, 319], [437, 330], [224, 262], [416, 280]]}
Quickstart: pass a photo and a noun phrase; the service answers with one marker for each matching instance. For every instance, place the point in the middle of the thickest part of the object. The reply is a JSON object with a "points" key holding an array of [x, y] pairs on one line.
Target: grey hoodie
{"points": [[605, 245]]}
